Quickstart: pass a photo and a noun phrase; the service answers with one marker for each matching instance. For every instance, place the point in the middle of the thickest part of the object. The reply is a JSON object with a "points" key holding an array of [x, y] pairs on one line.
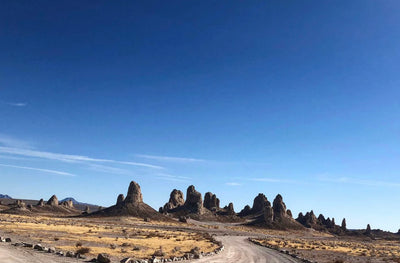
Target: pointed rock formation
{"points": [[53, 201], [245, 211], [289, 213], [68, 204], [279, 208], [344, 224], [194, 202], [40, 203], [134, 194], [211, 202], [230, 210], [368, 230], [133, 205], [176, 200], [120, 199], [259, 204]]}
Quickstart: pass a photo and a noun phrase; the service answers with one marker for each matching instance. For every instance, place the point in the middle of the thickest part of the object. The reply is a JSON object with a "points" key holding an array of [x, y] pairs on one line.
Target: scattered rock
{"points": [[8, 240]]}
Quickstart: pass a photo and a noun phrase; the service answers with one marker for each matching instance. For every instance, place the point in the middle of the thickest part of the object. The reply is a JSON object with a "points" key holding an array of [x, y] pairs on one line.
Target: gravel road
{"points": [[239, 250]]}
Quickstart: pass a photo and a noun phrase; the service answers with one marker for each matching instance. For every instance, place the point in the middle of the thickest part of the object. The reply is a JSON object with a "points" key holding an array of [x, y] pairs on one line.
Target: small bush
{"points": [[78, 244], [83, 250]]}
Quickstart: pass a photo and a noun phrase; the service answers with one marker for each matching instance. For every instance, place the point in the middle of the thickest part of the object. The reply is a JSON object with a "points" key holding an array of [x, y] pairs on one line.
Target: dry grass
{"points": [[119, 237], [379, 249]]}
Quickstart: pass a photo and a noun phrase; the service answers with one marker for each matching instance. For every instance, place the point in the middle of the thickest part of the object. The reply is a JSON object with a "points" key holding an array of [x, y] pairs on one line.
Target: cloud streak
{"points": [[38, 169], [17, 104], [9, 141], [273, 180], [233, 184], [68, 157], [348, 180], [169, 158]]}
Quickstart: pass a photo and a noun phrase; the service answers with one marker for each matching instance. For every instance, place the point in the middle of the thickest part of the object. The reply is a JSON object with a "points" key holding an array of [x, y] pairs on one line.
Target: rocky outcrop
{"points": [[344, 224], [120, 199], [133, 205], [230, 210], [176, 199], [134, 194], [259, 204], [368, 230], [245, 211], [211, 202], [40, 203], [279, 208], [20, 204], [68, 204], [309, 219], [53, 201], [194, 202]]}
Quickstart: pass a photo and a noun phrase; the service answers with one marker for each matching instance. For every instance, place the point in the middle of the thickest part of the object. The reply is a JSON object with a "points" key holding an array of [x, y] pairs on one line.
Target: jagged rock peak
{"points": [[279, 207], [211, 202], [53, 201], [134, 194], [194, 202], [176, 199], [344, 224], [260, 203], [230, 210], [68, 204], [120, 199], [40, 203]]}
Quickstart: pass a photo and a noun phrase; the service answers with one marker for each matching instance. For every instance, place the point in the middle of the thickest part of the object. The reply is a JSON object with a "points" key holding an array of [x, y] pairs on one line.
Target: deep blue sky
{"points": [[300, 98]]}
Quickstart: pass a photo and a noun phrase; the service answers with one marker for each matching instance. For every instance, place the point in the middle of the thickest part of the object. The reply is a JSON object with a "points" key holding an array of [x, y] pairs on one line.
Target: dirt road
{"points": [[239, 249], [11, 254]]}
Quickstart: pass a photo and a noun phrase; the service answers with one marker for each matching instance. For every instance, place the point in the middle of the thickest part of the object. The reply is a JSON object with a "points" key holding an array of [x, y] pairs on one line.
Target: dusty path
{"points": [[11, 254], [239, 249]]}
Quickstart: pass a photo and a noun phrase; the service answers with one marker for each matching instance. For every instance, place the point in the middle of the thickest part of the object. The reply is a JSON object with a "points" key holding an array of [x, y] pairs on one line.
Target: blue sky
{"points": [[300, 98]]}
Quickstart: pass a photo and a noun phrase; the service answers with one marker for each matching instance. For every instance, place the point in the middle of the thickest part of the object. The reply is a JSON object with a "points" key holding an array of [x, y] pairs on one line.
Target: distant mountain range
{"points": [[5, 196], [74, 201]]}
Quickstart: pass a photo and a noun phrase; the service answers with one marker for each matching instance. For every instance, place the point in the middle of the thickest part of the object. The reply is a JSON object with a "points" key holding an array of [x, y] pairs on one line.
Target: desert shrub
{"points": [[159, 252], [83, 250], [78, 244]]}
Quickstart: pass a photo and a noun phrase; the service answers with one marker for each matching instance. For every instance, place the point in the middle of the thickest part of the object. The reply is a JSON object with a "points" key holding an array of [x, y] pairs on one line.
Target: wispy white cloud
{"points": [[17, 104], [273, 180], [68, 157], [348, 180], [169, 158], [9, 141], [170, 177], [108, 169], [38, 169], [233, 184]]}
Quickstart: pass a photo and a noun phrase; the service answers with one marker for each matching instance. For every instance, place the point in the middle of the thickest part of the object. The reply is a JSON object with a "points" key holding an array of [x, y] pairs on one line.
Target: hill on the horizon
{"points": [[74, 201], [5, 196]]}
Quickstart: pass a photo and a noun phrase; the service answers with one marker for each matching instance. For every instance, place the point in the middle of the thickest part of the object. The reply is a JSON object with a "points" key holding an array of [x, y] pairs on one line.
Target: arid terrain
{"points": [[191, 229]]}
